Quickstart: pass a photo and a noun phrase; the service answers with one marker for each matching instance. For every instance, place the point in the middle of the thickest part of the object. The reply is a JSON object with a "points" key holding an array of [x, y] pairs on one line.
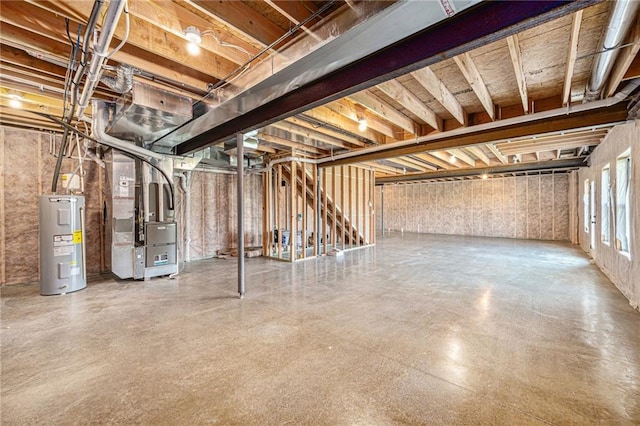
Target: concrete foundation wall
{"points": [[533, 207], [623, 270], [26, 170]]}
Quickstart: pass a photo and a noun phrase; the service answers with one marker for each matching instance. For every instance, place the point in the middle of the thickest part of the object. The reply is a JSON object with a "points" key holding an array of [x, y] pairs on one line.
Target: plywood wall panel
{"points": [[511, 207], [522, 204], [561, 207], [546, 207], [533, 207], [510, 211]]}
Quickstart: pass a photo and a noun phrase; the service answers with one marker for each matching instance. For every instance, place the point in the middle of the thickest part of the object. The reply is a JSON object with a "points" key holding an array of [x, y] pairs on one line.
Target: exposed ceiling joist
{"points": [[495, 151], [411, 102], [477, 151], [430, 81], [571, 56], [471, 73], [458, 34], [385, 111], [518, 68]]}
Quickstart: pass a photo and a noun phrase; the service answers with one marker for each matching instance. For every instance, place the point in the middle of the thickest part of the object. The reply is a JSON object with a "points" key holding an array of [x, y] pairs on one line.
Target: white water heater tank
{"points": [[62, 244]]}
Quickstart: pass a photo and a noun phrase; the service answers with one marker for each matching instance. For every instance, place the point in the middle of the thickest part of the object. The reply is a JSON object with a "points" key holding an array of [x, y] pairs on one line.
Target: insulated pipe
{"points": [[240, 156], [621, 18], [100, 53]]}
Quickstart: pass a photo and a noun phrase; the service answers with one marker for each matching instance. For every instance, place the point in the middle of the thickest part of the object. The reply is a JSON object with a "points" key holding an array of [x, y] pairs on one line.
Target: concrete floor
{"points": [[420, 329]]}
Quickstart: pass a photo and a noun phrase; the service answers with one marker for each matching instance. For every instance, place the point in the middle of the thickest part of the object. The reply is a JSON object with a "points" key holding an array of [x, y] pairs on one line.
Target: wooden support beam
{"points": [[477, 151], [495, 151], [473, 77], [382, 167], [276, 140], [341, 115], [446, 158], [53, 45], [342, 205], [432, 83], [347, 108], [308, 133], [405, 162], [385, 111], [303, 194], [141, 34], [571, 56], [463, 156], [323, 129], [404, 97], [443, 164], [518, 68], [242, 18]]}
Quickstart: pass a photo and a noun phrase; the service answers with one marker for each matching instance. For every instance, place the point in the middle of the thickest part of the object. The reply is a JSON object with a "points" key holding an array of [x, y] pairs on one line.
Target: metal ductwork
{"points": [[620, 20], [146, 113], [122, 82]]}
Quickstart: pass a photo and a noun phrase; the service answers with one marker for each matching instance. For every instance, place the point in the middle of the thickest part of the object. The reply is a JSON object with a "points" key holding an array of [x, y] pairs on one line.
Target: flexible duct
{"points": [[122, 82], [621, 18]]}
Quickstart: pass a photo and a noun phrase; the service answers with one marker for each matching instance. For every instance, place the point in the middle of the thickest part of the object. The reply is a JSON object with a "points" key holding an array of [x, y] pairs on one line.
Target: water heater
{"points": [[62, 244]]}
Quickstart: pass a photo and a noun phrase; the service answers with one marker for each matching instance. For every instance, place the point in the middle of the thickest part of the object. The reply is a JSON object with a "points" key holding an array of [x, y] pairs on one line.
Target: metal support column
{"points": [[240, 156], [382, 209]]}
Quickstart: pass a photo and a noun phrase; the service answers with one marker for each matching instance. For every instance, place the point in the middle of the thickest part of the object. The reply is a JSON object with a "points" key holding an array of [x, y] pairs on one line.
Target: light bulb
{"points": [[15, 103], [193, 48], [453, 159], [485, 176], [362, 124]]}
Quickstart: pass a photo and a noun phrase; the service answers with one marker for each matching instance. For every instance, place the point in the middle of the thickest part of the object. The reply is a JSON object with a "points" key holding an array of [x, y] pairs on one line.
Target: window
{"points": [[623, 216], [605, 205], [585, 202]]}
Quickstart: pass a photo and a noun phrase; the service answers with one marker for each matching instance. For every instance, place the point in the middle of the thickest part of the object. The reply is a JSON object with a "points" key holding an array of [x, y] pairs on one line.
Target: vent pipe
{"points": [[620, 20]]}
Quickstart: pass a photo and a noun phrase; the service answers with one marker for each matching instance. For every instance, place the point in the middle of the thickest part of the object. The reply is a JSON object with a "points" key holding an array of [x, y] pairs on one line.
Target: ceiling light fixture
{"points": [[453, 159], [193, 36], [14, 98], [484, 176], [362, 124]]}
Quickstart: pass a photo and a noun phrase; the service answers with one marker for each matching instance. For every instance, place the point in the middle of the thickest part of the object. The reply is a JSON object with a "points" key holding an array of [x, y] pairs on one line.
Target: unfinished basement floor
{"points": [[421, 329]]}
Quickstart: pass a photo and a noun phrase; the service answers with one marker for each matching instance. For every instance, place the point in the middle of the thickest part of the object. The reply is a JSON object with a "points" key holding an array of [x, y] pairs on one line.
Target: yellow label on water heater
{"points": [[77, 237]]}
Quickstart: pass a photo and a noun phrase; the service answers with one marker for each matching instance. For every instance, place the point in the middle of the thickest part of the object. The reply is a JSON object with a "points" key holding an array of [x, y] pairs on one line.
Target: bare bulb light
{"points": [[485, 176], [362, 124], [15, 103], [194, 37], [453, 159], [193, 48]]}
